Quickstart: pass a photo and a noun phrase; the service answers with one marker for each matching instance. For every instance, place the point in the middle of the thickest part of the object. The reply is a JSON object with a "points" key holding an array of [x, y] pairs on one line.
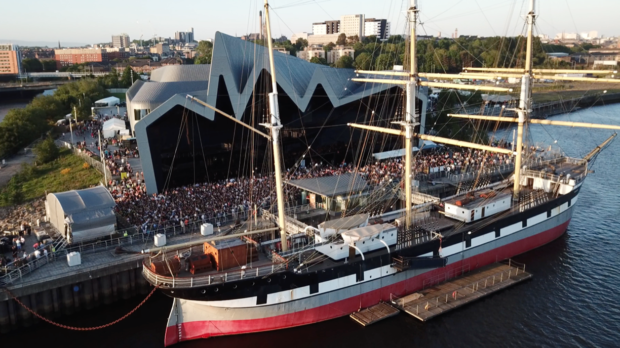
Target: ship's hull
{"points": [[191, 319]]}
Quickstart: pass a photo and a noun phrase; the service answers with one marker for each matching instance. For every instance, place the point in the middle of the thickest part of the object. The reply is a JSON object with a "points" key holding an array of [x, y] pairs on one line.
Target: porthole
{"points": [[284, 277], [268, 280], [235, 286], [216, 290], [204, 292]]}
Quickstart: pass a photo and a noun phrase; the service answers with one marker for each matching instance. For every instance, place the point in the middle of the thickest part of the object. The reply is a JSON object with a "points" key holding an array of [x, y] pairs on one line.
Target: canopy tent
{"points": [[332, 186], [380, 156], [111, 126], [107, 102], [90, 212]]}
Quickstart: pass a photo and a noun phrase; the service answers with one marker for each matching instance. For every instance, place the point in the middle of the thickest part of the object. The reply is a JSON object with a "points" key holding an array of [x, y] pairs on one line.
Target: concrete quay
{"points": [[55, 289]]}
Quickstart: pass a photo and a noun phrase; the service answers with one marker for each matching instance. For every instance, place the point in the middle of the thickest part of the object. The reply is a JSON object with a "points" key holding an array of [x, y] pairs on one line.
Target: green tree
{"points": [[384, 62], [330, 46], [345, 62], [46, 151], [204, 52], [129, 77], [318, 60], [32, 65], [20, 127], [353, 39], [300, 44], [363, 61], [342, 39], [13, 194], [48, 65], [50, 106], [202, 60]]}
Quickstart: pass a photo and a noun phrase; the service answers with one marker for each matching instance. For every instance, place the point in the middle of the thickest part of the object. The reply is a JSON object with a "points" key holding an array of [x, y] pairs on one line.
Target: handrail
{"points": [[217, 278]]}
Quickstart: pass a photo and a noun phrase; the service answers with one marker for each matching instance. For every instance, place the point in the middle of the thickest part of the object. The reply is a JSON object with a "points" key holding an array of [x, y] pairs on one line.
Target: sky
{"points": [[88, 22]]}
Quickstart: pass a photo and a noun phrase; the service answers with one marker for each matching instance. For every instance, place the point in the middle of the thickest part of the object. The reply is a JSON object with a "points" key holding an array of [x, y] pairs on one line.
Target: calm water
{"points": [[572, 300]]}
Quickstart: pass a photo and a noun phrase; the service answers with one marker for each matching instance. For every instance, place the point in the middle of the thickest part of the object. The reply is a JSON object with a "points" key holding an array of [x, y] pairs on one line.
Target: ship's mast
{"points": [[410, 110], [275, 126], [525, 103]]}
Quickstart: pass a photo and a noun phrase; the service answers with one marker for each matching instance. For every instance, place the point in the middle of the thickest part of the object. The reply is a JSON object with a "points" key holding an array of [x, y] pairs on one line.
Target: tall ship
{"points": [[280, 268]]}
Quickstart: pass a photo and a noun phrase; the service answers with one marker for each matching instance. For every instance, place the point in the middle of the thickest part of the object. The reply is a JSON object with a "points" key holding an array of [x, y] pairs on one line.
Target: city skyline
{"points": [[293, 16]]}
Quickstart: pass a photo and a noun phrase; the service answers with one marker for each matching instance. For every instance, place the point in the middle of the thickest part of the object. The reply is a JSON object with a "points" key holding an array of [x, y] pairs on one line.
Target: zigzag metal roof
{"points": [[240, 63]]}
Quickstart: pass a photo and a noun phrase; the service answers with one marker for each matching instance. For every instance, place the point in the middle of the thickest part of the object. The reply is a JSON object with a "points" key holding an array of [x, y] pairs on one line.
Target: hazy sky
{"points": [[87, 21]]}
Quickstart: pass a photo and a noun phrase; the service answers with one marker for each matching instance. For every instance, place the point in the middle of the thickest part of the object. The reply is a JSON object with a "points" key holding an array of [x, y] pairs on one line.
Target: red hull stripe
{"points": [[209, 328]]}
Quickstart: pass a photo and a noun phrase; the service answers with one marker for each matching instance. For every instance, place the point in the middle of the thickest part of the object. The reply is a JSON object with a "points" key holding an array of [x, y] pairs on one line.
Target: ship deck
{"points": [[436, 222]]}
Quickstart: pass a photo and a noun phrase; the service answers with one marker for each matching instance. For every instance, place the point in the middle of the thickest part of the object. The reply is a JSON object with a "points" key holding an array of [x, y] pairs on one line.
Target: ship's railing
{"points": [[532, 200], [169, 282]]}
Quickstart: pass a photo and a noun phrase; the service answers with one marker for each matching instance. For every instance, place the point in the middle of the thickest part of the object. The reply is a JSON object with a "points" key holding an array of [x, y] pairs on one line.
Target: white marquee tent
{"points": [[112, 126]]}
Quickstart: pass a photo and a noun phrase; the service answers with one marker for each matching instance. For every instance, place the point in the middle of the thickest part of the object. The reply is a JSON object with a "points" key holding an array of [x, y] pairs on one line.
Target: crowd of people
{"points": [[17, 247], [206, 201]]}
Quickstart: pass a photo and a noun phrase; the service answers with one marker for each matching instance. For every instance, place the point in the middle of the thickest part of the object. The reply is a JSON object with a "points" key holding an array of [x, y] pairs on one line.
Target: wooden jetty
{"points": [[374, 314], [458, 292]]}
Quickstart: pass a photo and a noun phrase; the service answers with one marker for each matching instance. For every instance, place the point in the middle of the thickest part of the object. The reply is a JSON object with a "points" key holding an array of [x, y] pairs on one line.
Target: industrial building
{"points": [[182, 142]]}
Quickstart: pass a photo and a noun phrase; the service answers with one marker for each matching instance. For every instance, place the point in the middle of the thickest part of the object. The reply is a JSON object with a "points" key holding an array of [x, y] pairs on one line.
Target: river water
{"points": [[572, 301]]}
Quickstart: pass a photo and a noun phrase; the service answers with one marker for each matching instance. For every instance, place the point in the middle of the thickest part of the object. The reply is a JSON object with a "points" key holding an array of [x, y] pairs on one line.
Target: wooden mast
{"points": [[524, 103], [275, 126]]}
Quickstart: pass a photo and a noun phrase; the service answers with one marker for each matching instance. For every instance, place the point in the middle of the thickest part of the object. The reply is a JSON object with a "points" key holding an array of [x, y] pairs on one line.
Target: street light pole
{"points": [[105, 172]]}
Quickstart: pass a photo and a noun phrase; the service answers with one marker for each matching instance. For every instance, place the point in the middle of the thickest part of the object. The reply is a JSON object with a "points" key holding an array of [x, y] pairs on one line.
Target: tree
{"points": [[345, 62], [300, 44], [13, 194], [204, 52], [20, 127], [329, 47], [202, 60], [48, 65], [353, 39], [363, 61], [50, 106], [318, 60], [46, 151], [129, 77], [384, 62], [32, 65], [342, 39]]}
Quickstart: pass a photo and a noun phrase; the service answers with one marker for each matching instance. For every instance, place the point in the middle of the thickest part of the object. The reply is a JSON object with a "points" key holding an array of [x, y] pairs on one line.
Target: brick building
{"points": [[70, 56]]}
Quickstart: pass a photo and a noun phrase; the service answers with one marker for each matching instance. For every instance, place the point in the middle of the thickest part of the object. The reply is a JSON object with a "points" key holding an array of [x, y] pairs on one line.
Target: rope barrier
{"points": [[79, 328]]}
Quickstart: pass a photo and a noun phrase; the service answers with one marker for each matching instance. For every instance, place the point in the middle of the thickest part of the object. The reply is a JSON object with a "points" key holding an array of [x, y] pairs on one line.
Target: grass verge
{"points": [[67, 172]]}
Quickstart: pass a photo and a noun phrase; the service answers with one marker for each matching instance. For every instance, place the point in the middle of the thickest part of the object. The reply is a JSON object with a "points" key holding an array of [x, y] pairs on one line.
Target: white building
{"points": [[296, 36], [311, 52], [377, 27], [321, 39], [331, 57], [337, 52], [567, 36], [319, 28], [352, 25]]}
